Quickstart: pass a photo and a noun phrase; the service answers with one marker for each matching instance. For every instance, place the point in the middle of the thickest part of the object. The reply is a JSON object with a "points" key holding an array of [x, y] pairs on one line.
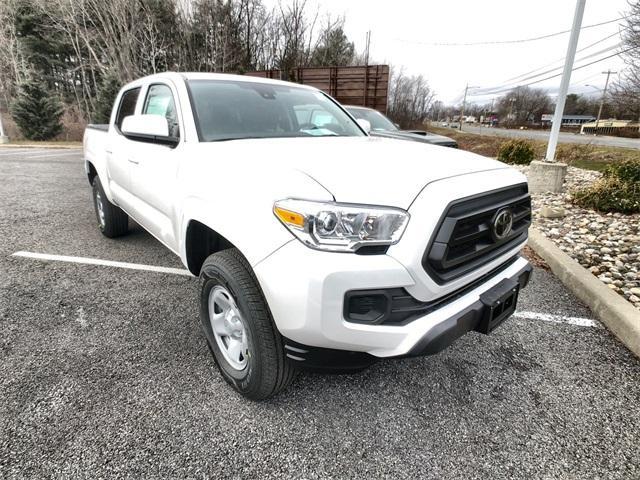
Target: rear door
{"points": [[154, 167], [118, 148]]}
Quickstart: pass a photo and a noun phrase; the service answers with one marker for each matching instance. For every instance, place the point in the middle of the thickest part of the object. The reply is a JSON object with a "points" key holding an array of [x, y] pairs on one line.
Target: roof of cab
{"points": [[178, 76]]}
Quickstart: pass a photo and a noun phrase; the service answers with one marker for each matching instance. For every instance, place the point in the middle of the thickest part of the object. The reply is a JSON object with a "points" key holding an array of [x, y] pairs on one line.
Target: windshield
{"points": [[230, 110], [377, 120]]}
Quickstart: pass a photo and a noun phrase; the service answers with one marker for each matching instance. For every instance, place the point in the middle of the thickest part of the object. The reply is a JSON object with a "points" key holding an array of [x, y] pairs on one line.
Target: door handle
{"points": [[132, 161]]}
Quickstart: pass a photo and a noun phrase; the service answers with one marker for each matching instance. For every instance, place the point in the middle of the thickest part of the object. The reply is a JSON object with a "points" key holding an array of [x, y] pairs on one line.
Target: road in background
{"points": [[544, 136], [104, 373]]}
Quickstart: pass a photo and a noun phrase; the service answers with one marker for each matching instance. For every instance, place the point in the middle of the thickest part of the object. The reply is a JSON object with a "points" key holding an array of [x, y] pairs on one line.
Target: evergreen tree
{"points": [[46, 50], [107, 94], [36, 111], [335, 49]]}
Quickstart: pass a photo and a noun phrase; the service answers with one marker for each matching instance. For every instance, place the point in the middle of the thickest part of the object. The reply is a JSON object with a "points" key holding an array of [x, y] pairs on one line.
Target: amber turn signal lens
{"points": [[289, 217]]}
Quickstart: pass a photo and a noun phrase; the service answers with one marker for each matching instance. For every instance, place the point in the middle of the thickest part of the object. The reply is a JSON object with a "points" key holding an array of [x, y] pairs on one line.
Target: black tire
{"points": [[115, 222], [267, 371]]}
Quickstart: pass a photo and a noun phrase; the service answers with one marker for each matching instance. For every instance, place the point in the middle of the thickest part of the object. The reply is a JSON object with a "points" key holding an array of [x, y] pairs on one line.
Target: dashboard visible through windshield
{"points": [[231, 110]]}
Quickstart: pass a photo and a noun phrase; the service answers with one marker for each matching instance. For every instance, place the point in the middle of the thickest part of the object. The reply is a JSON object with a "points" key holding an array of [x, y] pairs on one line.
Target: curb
{"points": [[620, 317]]}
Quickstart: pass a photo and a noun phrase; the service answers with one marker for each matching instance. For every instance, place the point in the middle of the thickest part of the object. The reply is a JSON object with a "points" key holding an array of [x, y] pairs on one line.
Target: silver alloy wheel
{"points": [[228, 327], [100, 209]]}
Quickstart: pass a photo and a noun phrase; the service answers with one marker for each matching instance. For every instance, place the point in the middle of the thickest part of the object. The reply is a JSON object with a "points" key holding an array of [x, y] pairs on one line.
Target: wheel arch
{"points": [[91, 172], [200, 242], [209, 225]]}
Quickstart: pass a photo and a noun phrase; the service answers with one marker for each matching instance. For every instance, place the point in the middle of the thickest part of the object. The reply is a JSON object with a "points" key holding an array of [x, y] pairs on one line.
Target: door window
{"points": [[160, 102]]}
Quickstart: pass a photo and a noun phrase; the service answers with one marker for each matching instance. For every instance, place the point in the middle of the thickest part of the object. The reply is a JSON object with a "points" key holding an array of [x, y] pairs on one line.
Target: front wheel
{"points": [[241, 334]]}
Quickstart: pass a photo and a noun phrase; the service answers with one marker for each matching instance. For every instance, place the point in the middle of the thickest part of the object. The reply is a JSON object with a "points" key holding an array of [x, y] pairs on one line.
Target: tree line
{"points": [[80, 48], [73, 55]]}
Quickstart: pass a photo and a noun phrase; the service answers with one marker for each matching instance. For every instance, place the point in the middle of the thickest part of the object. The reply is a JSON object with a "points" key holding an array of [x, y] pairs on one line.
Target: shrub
{"points": [[36, 111], [626, 171], [571, 153], [617, 191], [518, 152]]}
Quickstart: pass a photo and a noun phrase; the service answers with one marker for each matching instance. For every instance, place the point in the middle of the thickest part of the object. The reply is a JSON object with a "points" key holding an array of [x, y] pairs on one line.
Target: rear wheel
{"points": [[241, 334], [112, 221]]}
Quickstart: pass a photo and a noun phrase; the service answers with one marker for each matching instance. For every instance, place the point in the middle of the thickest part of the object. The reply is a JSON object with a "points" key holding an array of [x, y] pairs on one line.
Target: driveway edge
{"points": [[620, 317]]}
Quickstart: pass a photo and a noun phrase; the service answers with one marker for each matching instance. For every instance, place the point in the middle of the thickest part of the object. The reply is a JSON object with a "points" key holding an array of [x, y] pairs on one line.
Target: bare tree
{"points": [[625, 93], [85, 42], [295, 41], [523, 105], [410, 98], [12, 63]]}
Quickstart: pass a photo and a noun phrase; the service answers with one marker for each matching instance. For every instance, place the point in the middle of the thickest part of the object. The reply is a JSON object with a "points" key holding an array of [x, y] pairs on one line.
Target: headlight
{"points": [[341, 227]]}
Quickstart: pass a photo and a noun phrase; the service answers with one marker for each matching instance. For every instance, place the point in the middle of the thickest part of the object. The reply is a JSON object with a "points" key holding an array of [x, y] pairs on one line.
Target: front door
{"points": [[154, 169]]}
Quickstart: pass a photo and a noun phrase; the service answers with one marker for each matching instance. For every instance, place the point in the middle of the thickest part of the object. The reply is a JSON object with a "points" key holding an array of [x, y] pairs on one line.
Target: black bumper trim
{"points": [[403, 308], [448, 331], [326, 360]]}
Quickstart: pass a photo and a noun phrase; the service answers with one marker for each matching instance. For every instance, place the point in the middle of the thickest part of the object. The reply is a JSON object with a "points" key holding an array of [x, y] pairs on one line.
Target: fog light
{"points": [[369, 307]]}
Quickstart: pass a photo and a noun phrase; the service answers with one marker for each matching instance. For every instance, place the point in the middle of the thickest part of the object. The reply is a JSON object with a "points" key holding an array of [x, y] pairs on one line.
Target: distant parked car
{"points": [[381, 126]]}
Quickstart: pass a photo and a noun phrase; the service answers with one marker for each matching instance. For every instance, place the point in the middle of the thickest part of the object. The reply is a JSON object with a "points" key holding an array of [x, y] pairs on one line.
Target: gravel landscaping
{"points": [[607, 244]]}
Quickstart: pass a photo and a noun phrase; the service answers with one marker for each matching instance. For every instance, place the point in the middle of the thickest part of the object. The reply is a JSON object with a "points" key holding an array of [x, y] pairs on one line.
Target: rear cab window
{"points": [[127, 106]]}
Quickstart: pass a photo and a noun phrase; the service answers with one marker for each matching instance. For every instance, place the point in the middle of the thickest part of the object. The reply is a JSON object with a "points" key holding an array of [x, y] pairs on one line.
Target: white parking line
{"points": [[106, 263], [52, 155], [524, 315], [548, 317]]}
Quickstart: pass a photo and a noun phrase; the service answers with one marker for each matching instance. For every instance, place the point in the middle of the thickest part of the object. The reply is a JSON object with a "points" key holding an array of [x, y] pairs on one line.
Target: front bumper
{"points": [[305, 290]]}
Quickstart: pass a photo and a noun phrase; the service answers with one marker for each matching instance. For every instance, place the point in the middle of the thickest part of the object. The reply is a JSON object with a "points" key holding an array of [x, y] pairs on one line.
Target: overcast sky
{"points": [[406, 33]]}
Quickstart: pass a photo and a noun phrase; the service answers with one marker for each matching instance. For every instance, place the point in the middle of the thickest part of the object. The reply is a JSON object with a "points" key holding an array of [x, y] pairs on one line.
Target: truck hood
{"points": [[371, 170]]}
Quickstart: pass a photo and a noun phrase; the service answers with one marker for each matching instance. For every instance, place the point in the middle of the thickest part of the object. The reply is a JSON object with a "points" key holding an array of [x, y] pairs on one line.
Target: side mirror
{"points": [[397, 125], [364, 124], [148, 128]]}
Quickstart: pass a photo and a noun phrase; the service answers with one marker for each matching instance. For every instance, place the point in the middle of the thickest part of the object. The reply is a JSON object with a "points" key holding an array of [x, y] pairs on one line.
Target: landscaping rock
{"points": [[553, 212], [607, 244]]}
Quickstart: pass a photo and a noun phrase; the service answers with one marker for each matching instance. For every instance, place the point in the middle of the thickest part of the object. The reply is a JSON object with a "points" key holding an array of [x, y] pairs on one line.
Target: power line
{"points": [[562, 58], [506, 42], [584, 79], [513, 84], [554, 76]]}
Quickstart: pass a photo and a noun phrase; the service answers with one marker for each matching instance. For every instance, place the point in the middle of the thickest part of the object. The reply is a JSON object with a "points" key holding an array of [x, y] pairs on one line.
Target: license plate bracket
{"points": [[499, 303]]}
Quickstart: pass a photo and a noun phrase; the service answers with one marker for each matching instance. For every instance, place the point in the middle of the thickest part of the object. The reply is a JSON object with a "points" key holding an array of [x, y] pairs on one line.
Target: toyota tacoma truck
{"points": [[316, 245]]}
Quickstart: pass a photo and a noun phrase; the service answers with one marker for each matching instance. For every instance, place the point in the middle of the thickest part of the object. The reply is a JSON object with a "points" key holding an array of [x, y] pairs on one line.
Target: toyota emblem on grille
{"points": [[502, 224]]}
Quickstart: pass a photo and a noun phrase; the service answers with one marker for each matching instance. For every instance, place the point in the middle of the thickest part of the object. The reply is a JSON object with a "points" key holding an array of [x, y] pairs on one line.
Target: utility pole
{"points": [[512, 101], [604, 95], [466, 89], [566, 78], [549, 175], [491, 110], [366, 55]]}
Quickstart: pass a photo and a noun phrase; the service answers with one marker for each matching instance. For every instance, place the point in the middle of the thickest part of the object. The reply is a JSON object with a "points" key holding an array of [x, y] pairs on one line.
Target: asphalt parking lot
{"points": [[104, 372]]}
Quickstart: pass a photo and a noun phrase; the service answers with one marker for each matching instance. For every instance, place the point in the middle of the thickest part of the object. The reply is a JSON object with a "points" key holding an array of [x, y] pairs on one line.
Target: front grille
{"points": [[465, 238]]}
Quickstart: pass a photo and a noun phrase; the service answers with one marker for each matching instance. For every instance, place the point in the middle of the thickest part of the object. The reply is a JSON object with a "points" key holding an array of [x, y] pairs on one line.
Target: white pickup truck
{"points": [[317, 246]]}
